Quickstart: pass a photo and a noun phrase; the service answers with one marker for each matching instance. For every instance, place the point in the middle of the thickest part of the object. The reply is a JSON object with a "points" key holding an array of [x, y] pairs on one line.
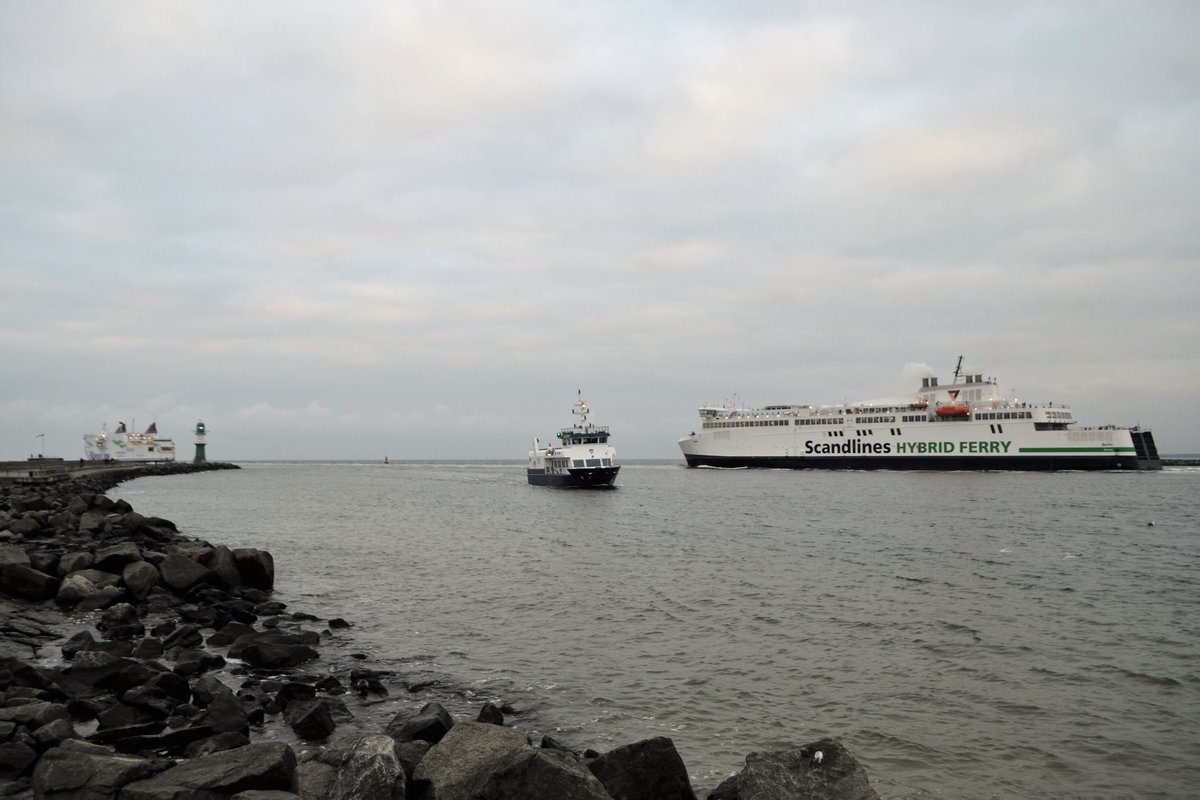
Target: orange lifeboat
{"points": [[954, 410]]}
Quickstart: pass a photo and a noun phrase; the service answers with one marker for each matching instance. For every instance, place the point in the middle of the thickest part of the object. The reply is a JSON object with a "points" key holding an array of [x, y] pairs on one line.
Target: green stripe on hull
{"points": [[1075, 449]]}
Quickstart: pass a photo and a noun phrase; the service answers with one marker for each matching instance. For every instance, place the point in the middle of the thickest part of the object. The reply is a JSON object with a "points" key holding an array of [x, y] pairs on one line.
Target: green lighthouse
{"points": [[199, 443]]}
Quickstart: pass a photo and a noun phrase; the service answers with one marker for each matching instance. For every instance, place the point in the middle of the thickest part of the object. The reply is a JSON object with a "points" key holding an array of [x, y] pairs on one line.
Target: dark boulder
{"points": [[173, 742], [19, 580], [292, 691], [207, 689], [275, 649], [140, 577], [152, 699], [460, 764], [164, 628], [256, 568], [103, 597], [99, 577], [120, 715], [371, 770], [202, 616], [91, 522], [314, 779], [92, 671], [83, 640], [16, 759], [329, 684], [263, 765], [225, 714], [171, 684], [52, 733], [121, 621], [152, 528], [15, 672], [550, 743], [229, 633], [115, 558], [148, 647], [310, 719], [182, 573], [823, 769], [431, 724], [542, 773], [239, 609], [647, 770], [190, 663], [221, 561], [185, 636], [110, 736], [73, 589], [491, 714], [73, 562], [44, 562], [12, 554], [34, 714]]}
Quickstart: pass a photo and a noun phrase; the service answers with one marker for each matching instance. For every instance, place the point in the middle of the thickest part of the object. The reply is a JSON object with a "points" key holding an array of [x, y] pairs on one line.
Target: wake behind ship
{"points": [[964, 425]]}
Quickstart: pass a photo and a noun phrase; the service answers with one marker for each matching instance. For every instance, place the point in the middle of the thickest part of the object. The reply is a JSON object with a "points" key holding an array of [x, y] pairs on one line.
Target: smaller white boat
{"points": [[582, 459]]}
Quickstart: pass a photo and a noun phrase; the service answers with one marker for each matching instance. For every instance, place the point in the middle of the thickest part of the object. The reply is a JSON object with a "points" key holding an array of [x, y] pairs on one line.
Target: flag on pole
{"points": [[39, 436]]}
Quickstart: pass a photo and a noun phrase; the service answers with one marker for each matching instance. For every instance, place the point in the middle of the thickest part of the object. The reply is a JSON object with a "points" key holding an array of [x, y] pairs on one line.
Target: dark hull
{"points": [[940, 463], [594, 478]]}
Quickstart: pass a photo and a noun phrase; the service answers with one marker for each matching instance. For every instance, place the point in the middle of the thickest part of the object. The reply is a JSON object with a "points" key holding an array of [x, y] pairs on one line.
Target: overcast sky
{"points": [[415, 230]]}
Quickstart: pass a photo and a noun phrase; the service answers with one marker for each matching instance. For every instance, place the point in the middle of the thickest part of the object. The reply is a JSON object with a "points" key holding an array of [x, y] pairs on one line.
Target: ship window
{"points": [[607, 462], [593, 462], [578, 462]]}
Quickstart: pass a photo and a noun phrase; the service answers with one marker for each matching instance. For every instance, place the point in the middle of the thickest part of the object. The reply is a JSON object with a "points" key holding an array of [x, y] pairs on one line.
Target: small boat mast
{"points": [[581, 409]]}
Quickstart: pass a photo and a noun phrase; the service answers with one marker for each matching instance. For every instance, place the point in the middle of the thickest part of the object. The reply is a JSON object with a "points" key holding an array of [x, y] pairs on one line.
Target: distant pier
{"points": [[39, 471]]}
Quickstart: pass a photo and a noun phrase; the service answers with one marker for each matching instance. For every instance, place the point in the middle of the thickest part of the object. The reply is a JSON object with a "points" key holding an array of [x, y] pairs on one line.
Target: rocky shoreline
{"points": [[141, 664]]}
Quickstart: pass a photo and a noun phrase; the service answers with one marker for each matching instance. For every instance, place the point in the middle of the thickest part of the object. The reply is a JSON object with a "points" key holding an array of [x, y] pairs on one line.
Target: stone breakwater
{"points": [[137, 663]]}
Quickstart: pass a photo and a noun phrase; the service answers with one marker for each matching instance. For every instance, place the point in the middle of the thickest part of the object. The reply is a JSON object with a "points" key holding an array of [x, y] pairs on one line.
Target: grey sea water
{"points": [[964, 634]]}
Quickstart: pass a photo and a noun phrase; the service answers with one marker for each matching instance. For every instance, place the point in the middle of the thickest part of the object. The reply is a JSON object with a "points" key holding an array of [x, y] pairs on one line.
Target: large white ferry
{"points": [[583, 458], [121, 445], [965, 425]]}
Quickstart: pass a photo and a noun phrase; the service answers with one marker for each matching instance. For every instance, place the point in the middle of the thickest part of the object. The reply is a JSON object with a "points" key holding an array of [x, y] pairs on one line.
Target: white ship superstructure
{"points": [[966, 424], [582, 459], [123, 446]]}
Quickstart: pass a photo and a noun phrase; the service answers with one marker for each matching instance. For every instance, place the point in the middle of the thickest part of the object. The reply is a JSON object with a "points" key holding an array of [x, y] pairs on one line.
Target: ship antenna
{"points": [[581, 409], [958, 369]]}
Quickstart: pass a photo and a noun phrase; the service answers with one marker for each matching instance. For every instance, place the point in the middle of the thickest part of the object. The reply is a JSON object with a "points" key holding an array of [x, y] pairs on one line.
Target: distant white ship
{"points": [[964, 425], [121, 445], [583, 459]]}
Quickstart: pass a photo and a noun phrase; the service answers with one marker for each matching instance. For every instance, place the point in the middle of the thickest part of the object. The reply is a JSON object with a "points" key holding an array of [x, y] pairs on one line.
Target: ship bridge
{"points": [[592, 434]]}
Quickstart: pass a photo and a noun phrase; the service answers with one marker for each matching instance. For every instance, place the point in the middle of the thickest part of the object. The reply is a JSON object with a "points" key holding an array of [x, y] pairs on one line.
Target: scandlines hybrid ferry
{"points": [[963, 425]]}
